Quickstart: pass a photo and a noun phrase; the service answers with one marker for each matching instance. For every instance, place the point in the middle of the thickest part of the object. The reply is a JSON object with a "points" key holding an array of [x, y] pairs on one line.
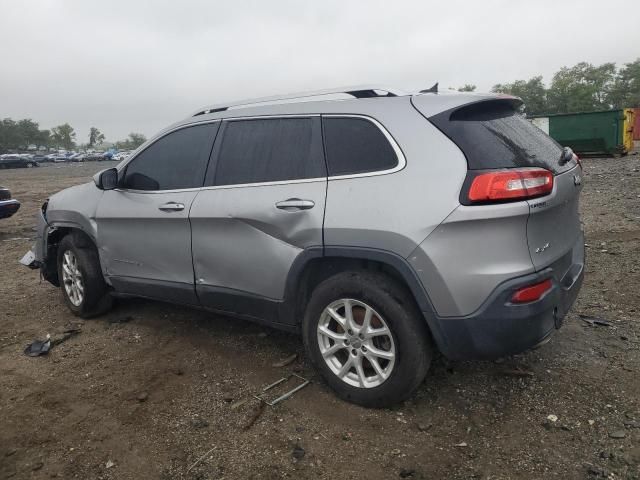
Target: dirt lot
{"points": [[148, 390]]}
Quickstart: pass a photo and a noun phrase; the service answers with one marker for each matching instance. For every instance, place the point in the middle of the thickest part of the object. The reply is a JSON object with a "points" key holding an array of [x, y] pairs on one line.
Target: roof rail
{"points": [[361, 91]]}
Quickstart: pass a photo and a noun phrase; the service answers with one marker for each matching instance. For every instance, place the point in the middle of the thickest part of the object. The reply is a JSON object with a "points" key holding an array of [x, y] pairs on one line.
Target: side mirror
{"points": [[106, 179]]}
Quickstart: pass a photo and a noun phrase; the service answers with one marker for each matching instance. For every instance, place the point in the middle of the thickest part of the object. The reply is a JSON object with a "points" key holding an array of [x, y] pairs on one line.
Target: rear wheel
{"points": [[367, 338], [81, 282]]}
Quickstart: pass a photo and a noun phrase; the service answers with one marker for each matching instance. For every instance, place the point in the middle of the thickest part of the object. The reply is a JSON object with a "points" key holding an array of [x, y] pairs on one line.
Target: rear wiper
{"points": [[566, 157]]}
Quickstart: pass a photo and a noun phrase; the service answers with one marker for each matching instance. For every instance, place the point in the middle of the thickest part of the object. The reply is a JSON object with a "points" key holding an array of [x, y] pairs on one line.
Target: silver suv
{"points": [[381, 225]]}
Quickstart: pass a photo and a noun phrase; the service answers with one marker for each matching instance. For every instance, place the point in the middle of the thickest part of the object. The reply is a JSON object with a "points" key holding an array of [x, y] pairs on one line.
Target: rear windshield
{"points": [[492, 134]]}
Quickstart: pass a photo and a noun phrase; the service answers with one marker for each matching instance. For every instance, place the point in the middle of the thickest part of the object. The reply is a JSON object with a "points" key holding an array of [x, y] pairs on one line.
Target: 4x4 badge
{"points": [[542, 248], [577, 180]]}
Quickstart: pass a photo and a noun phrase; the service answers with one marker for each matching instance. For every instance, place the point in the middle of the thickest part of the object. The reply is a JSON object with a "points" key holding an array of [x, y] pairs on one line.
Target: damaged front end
{"points": [[42, 254]]}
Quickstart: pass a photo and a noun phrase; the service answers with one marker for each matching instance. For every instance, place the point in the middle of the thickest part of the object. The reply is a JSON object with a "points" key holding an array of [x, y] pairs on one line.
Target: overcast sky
{"points": [[136, 65]]}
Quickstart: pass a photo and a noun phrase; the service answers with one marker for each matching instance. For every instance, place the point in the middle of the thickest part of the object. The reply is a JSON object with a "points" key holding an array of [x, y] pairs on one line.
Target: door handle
{"points": [[171, 207], [292, 204]]}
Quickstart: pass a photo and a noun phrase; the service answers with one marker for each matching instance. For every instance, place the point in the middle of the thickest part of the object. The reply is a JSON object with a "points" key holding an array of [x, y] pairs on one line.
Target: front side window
{"points": [[268, 150], [356, 145], [177, 160]]}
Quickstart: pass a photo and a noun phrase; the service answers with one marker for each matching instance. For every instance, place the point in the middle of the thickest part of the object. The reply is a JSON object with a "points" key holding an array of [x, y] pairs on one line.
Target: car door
{"points": [[144, 234], [262, 205]]}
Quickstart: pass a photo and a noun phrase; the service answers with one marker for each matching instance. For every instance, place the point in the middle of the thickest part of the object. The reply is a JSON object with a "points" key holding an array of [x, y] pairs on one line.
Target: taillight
{"points": [[509, 185], [532, 292]]}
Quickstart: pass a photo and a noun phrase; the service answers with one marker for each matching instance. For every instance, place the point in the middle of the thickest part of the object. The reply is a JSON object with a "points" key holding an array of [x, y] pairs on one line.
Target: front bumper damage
{"points": [[37, 256]]}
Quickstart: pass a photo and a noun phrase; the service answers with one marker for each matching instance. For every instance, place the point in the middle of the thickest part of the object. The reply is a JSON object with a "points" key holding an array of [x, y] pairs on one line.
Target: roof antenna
{"points": [[433, 89]]}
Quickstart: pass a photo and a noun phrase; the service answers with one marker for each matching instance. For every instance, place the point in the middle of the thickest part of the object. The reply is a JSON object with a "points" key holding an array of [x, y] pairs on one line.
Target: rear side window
{"points": [[177, 160], [269, 150], [493, 135], [356, 145]]}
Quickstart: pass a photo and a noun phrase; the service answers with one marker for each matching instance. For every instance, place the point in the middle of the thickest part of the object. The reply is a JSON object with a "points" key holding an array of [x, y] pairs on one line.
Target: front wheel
{"points": [[83, 287], [366, 336]]}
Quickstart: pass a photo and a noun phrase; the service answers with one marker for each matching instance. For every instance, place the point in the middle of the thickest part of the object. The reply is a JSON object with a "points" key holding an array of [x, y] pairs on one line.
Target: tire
{"points": [[95, 297], [392, 306]]}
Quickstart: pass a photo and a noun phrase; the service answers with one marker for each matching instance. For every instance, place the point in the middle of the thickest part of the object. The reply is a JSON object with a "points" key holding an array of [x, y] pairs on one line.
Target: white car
{"points": [[121, 156]]}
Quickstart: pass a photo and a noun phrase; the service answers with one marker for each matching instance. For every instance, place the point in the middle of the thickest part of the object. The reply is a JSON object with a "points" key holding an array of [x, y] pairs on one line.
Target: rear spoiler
{"points": [[430, 104]]}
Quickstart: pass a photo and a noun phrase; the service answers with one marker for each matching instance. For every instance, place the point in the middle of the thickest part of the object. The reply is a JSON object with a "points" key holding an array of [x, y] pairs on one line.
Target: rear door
{"points": [[262, 205], [144, 234]]}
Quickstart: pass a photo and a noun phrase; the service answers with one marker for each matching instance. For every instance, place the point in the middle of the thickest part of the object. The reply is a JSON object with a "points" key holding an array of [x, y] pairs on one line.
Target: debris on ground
{"points": [[66, 335], [517, 372], [298, 452], [407, 472], [200, 459], [461, 445], [287, 361], [285, 395], [593, 321], [126, 319], [199, 423], [142, 396], [618, 434], [423, 427], [42, 347], [109, 464], [38, 347], [552, 418], [239, 403], [255, 415]]}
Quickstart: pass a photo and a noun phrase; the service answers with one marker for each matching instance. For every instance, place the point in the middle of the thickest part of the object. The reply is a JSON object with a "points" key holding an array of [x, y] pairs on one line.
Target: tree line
{"points": [[581, 88], [18, 135]]}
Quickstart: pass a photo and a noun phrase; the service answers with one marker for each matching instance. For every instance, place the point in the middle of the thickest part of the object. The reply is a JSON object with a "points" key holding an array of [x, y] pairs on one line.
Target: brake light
{"points": [[532, 292], [512, 184]]}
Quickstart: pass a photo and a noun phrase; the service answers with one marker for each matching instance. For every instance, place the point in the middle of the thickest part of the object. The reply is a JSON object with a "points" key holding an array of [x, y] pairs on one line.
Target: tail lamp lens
{"points": [[512, 184], [532, 292]]}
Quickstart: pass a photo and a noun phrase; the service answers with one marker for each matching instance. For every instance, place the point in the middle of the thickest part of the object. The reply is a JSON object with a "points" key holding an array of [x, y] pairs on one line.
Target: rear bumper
{"points": [[8, 207], [501, 328]]}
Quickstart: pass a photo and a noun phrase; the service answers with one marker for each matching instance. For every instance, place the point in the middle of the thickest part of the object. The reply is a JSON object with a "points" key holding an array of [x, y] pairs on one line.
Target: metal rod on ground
{"points": [[200, 459]]}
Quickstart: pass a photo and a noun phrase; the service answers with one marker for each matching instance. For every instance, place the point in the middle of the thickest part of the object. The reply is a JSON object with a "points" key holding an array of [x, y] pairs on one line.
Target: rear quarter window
{"points": [[356, 145], [492, 134]]}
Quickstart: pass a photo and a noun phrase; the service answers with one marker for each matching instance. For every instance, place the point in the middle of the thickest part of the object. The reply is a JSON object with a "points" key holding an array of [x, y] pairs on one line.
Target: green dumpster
{"points": [[587, 132]]}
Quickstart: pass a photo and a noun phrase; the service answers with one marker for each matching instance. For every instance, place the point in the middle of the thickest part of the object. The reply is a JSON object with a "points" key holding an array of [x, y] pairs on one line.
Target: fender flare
{"points": [[393, 260]]}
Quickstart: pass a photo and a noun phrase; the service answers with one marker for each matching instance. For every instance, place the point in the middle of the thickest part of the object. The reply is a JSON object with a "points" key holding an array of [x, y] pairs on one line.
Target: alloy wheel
{"points": [[356, 343], [72, 278]]}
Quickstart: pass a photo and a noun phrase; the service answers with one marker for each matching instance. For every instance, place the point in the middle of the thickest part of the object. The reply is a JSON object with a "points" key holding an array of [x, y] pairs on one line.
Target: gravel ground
{"points": [[151, 390]]}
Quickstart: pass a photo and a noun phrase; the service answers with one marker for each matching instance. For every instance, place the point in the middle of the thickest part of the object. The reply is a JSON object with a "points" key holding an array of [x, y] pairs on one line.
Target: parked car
{"points": [[93, 156], [382, 228], [16, 161], [78, 157], [8, 205], [107, 156], [63, 157], [38, 157], [121, 156]]}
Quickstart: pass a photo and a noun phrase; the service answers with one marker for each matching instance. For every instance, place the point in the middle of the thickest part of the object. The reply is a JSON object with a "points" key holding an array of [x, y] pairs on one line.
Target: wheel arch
{"points": [[314, 265], [54, 236]]}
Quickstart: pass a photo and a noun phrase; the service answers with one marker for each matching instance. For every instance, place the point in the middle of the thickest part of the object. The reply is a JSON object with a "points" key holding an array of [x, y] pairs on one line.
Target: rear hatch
{"points": [[494, 136]]}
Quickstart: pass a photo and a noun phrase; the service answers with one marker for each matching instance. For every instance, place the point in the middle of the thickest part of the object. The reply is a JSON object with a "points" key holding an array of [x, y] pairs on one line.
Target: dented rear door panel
{"points": [[243, 243]]}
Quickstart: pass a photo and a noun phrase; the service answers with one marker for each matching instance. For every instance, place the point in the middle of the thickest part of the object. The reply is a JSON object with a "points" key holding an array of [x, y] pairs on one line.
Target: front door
{"points": [[144, 235], [262, 205]]}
